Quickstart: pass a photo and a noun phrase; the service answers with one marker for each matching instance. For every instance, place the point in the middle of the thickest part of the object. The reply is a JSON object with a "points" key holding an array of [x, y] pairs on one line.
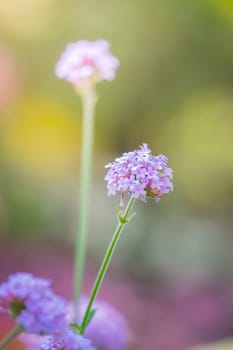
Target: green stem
{"points": [[88, 103], [13, 334], [105, 263]]}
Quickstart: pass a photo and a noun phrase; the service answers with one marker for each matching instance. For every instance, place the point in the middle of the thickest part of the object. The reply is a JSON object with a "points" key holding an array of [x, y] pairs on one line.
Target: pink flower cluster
{"points": [[140, 174], [85, 62]]}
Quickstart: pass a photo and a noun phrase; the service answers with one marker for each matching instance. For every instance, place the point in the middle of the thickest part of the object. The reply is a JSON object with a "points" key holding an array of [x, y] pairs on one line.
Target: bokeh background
{"points": [[172, 272]]}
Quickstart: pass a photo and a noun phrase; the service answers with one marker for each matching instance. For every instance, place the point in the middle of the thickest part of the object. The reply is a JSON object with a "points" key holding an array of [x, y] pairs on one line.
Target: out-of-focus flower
{"points": [[84, 63], [108, 329], [10, 79], [44, 313], [32, 341], [140, 174], [18, 288], [34, 305], [69, 341]]}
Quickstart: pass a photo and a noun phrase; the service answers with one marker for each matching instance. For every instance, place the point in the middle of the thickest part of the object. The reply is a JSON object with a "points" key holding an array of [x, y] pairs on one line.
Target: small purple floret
{"points": [[140, 174], [69, 341]]}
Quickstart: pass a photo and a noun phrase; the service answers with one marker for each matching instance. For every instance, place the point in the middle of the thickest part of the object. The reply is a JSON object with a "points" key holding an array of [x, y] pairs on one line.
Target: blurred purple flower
{"points": [[18, 288], [85, 62], [69, 341], [44, 313], [34, 305], [108, 329], [140, 174]]}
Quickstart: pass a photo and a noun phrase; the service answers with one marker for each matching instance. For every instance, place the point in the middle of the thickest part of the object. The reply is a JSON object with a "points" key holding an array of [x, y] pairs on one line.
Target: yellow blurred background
{"points": [[173, 90]]}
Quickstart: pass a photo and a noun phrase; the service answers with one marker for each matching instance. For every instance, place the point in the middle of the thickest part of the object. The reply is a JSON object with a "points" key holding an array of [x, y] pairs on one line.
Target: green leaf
{"points": [[122, 220], [117, 210], [120, 217], [90, 317], [131, 216], [76, 328]]}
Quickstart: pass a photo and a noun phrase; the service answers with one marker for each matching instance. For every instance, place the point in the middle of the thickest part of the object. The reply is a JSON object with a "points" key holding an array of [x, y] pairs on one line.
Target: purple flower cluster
{"points": [[19, 287], [34, 305], [83, 62], [69, 341], [44, 313], [108, 330], [140, 174]]}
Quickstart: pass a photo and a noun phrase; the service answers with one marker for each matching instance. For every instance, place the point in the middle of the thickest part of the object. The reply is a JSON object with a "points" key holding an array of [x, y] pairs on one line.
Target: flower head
{"points": [[140, 174], [34, 305], [85, 62], [69, 341]]}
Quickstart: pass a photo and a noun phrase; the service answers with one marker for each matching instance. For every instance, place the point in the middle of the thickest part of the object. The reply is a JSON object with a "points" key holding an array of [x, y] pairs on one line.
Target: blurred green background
{"points": [[173, 91]]}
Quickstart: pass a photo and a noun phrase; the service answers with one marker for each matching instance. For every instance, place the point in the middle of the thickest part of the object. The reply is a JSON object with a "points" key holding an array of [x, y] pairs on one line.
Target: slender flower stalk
{"points": [[123, 219], [84, 64], [12, 335], [143, 176], [88, 102]]}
